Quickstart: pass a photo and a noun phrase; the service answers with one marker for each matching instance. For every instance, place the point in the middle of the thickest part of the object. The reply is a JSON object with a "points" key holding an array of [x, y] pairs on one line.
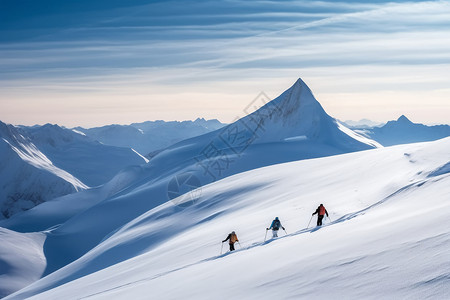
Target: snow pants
{"points": [[274, 233], [231, 247], [319, 220]]}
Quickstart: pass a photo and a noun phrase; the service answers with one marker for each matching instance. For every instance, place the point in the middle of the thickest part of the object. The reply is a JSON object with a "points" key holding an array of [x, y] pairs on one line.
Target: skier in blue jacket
{"points": [[275, 226]]}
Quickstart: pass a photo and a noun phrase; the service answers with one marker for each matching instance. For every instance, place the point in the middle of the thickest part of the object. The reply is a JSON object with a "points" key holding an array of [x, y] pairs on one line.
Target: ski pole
{"points": [[239, 245], [309, 221], [329, 218], [221, 249], [285, 231], [266, 234]]}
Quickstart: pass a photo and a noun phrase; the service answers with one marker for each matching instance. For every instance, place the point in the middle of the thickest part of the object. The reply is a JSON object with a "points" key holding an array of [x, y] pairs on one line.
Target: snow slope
{"points": [[388, 236], [22, 260], [27, 176], [88, 160], [41, 163], [52, 213]]}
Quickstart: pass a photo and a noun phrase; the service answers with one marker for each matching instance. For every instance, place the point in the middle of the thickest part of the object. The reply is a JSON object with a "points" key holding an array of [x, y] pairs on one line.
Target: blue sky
{"points": [[99, 62]]}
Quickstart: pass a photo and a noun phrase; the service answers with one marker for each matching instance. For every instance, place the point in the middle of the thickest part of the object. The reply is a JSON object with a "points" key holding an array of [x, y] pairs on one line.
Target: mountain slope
{"points": [[27, 176], [382, 242], [88, 160], [41, 163]]}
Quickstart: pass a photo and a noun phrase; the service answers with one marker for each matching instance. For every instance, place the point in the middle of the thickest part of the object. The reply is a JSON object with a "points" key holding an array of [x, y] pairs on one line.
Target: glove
{"points": [[312, 214], [283, 228], [267, 228]]}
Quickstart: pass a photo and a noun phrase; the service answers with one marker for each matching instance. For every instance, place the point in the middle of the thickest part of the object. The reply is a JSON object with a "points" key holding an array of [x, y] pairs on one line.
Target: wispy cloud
{"points": [[166, 48]]}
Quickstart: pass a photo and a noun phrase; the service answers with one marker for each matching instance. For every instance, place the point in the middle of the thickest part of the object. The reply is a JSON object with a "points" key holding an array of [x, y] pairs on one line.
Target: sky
{"points": [[93, 63]]}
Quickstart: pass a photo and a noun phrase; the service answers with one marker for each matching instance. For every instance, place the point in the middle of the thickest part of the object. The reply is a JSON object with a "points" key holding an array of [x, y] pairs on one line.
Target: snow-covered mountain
{"points": [[87, 159], [403, 131], [40, 163], [381, 240], [27, 176], [292, 127], [150, 136]]}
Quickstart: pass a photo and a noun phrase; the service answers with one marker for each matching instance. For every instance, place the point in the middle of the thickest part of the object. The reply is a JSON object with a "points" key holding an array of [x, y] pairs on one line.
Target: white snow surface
{"points": [[387, 238], [79, 132], [22, 260], [29, 153], [140, 155], [357, 136]]}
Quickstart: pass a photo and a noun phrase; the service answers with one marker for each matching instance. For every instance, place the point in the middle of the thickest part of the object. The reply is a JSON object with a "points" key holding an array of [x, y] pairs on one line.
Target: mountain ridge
{"points": [[404, 131]]}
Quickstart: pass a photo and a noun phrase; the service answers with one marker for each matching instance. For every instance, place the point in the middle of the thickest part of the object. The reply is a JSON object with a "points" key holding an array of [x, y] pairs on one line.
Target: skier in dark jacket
{"points": [[275, 226], [321, 211], [232, 237]]}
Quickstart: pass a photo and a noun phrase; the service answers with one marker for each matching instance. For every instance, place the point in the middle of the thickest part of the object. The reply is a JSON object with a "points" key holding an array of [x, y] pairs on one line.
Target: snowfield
{"points": [[388, 236], [22, 260]]}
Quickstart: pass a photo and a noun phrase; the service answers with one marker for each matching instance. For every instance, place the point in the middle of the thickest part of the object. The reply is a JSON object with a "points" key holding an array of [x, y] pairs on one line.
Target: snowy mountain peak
{"points": [[4, 130], [200, 120], [11, 134], [54, 135], [404, 119], [298, 95], [2, 126], [296, 113]]}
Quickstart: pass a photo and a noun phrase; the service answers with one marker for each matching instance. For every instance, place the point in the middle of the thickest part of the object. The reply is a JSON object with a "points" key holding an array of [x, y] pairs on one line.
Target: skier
{"points": [[233, 239], [276, 224], [321, 210]]}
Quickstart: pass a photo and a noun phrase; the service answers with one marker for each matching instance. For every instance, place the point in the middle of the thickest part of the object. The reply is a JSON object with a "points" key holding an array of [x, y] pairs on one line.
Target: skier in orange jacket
{"points": [[232, 237], [321, 210]]}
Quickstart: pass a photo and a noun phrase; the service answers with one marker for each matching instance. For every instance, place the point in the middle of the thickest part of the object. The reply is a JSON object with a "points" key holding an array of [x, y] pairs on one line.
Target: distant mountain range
{"points": [[150, 136], [403, 131]]}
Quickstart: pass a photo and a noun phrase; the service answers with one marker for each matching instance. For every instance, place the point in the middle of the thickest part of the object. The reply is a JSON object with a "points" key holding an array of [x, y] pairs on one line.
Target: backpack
{"points": [[233, 238], [276, 224], [322, 210]]}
